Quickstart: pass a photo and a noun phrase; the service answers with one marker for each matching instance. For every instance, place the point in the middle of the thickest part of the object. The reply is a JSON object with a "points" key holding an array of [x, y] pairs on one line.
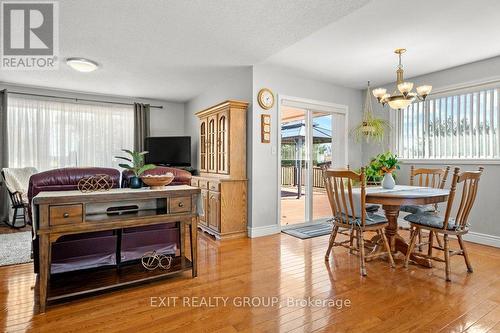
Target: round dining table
{"points": [[391, 202]]}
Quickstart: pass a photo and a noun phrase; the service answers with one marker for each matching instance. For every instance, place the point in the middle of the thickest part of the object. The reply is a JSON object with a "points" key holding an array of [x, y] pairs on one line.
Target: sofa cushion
{"points": [[429, 219]]}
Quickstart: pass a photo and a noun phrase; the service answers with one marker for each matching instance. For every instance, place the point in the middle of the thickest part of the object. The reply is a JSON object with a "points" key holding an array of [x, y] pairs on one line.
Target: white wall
{"points": [[164, 122], [237, 86], [264, 175], [262, 165], [484, 217]]}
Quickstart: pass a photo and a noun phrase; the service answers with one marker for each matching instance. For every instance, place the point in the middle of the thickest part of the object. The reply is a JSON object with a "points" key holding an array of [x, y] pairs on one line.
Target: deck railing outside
{"points": [[289, 176]]}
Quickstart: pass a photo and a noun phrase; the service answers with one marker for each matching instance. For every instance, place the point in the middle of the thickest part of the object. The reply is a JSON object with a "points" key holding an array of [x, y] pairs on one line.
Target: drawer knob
{"points": [[181, 204], [65, 215]]}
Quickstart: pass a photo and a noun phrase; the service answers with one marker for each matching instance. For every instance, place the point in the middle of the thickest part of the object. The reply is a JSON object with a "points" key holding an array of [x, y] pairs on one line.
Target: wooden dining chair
{"points": [[370, 208], [446, 224], [339, 184], [435, 178]]}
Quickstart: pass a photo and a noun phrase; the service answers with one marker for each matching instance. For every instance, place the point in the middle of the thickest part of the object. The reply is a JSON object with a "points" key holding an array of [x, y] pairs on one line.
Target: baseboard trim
{"points": [[484, 239], [263, 231], [473, 237]]}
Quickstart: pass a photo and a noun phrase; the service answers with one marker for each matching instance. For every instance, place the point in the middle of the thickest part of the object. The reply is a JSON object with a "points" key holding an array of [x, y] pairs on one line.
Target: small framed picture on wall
{"points": [[265, 128]]}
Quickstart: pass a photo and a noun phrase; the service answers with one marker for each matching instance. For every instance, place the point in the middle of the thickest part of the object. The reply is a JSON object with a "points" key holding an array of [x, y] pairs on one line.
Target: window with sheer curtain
{"points": [[49, 134], [458, 126]]}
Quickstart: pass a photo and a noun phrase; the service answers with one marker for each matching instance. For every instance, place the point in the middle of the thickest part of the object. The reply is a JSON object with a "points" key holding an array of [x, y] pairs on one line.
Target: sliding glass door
{"points": [[294, 165], [322, 147], [310, 140]]}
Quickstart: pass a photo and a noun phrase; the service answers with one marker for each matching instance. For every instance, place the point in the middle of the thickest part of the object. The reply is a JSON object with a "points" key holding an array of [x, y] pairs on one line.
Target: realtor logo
{"points": [[29, 35]]}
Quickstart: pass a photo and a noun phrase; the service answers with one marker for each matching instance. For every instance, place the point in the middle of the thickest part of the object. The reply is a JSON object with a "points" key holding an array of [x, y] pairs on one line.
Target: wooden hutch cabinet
{"points": [[222, 163]]}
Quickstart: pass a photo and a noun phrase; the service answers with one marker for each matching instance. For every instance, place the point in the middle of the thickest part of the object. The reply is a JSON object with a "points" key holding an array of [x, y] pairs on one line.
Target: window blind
{"points": [[461, 126]]}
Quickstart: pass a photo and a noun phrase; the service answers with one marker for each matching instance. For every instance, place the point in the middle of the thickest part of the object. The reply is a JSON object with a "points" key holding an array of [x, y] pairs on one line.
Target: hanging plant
{"points": [[371, 129]]}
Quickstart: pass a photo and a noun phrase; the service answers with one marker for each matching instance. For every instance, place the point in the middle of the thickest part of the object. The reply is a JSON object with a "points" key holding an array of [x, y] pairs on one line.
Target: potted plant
{"points": [[372, 172], [370, 128], [137, 166], [388, 164]]}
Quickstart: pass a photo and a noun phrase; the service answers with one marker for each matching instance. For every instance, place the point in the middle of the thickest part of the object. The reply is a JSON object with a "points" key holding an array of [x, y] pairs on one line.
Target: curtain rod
{"points": [[79, 99]]}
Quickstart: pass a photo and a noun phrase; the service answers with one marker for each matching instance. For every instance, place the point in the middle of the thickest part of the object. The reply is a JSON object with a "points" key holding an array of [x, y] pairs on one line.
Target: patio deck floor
{"points": [[293, 209]]}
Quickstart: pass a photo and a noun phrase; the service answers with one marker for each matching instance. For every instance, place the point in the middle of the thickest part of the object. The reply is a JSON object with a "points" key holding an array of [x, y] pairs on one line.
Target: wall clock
{"points": [[265, 98]]}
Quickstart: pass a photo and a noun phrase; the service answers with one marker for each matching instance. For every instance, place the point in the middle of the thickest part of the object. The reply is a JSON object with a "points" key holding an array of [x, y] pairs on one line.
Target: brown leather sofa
{"points": [[89, 250]]}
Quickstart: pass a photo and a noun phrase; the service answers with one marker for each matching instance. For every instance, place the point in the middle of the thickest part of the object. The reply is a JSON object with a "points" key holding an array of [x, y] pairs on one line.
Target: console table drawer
{"points": [[180, 205], [66, 214]]}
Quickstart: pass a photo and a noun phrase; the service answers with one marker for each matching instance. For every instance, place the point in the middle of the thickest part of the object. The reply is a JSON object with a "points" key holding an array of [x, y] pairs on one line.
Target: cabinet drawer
{"points": [[66, 214], [214, 186], [203, 184], [180, 205], [194, 182]]}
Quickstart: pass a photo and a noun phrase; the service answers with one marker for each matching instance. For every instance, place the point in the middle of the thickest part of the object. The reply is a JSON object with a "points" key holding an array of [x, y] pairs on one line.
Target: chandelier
{"points": [[403, 95]]}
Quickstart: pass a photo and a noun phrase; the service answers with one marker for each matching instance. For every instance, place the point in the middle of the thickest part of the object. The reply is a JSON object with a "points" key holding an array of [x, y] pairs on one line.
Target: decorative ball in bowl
{"points": [[158, 182]]}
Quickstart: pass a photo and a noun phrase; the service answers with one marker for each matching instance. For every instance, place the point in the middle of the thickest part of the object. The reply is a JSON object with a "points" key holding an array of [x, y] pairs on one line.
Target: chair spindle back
{"points": [[470, 180], [435, 178], [339, 184]]}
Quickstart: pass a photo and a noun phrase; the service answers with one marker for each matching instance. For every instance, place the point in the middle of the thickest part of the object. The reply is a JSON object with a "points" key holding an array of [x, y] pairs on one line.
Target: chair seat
{"points": [[432, 220], [417, 209], [371, 219], [372, 208]]}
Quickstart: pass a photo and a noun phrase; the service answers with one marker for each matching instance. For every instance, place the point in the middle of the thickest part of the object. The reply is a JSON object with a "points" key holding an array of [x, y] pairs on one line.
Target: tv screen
{"points": [[169, 150]]}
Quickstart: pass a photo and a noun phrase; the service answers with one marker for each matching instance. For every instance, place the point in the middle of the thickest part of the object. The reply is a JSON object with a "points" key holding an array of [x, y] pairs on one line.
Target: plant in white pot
{"points": [[388, 163], [371, 129]]}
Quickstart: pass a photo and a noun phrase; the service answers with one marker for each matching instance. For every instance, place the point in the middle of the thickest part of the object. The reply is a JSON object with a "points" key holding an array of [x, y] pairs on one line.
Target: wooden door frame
{"points": [[310, 106]]}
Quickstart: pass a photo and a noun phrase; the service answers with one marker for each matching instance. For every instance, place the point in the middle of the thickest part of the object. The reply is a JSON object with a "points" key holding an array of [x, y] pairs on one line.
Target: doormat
{"points": [[15, 248], [310, 231]]}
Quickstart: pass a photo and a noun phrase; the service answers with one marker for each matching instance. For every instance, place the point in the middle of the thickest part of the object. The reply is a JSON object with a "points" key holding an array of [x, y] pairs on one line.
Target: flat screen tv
{"points": [[169, 150]]}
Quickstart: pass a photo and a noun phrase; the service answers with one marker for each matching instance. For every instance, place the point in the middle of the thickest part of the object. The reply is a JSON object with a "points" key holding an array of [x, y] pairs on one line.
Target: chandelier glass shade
{"points": [[403, 95]]}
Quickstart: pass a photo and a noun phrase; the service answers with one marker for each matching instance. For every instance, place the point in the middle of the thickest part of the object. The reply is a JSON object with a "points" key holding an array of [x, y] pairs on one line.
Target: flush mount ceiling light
{"points": [[403, 95], [82, 64]]}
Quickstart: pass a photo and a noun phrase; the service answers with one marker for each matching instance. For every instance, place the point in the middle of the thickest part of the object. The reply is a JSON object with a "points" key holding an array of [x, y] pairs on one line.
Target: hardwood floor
{"points": [[387, 300]]}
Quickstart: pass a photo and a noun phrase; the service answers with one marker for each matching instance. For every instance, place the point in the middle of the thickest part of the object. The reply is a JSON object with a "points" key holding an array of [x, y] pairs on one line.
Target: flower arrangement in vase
{"points": [[388, 163]]}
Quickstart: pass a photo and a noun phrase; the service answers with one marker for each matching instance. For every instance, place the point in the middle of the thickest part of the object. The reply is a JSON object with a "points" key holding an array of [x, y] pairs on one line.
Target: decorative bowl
{"points": [[158, 182]]}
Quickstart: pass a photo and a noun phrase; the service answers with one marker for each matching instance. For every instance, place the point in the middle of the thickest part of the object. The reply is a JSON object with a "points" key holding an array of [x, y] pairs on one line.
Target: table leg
{"points": [[43, 271], [182, 230], [193, 231], [396, 242]]}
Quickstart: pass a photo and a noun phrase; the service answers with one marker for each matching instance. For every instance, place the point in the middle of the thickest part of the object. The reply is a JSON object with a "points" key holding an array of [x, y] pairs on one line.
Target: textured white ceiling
{"points": [[359, 47], [174, 49]]}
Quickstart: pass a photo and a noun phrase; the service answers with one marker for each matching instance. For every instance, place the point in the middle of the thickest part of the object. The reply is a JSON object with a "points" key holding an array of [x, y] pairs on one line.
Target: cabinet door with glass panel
{"points": [[212, 143], [203, 144], [223, 142]]}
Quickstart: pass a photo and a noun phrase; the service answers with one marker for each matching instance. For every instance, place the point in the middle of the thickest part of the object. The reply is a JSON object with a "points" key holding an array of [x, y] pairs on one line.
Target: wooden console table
{"points": [[71, 212]]}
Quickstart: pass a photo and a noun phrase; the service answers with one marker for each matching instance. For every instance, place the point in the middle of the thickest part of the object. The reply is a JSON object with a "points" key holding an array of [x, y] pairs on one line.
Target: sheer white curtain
{"points": [[49, 134]]}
